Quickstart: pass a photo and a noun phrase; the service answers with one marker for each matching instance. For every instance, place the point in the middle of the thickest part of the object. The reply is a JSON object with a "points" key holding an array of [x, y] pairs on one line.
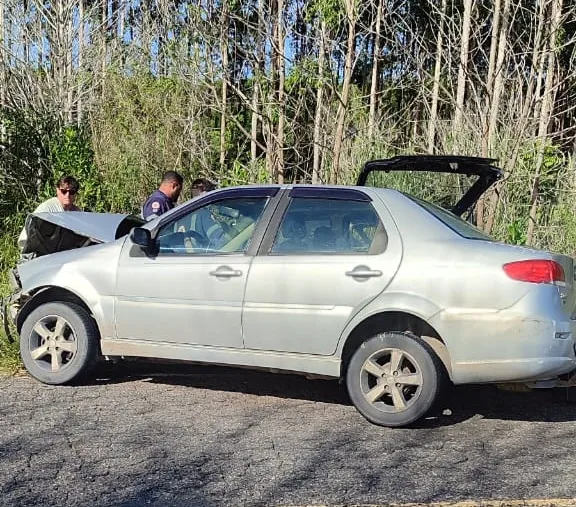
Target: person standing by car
{"points": [[67, 189], [165, 197], [202, 185], [202, 222]]}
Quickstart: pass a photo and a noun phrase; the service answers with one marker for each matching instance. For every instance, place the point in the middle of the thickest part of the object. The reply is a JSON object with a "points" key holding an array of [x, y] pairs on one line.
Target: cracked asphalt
{"points": [[186, 435]]}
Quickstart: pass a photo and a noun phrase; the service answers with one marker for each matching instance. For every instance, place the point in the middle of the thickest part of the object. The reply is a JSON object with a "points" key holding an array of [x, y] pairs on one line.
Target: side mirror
{"points": [[142, 238]]}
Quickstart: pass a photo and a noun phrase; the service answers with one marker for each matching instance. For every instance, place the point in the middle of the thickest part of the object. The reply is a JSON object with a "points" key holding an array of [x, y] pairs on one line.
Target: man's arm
{"points": [[154, 207]]}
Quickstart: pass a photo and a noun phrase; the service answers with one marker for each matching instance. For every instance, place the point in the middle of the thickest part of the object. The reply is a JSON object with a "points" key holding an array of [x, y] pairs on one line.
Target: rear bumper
{"points": [[507, 347], [520, 370]]}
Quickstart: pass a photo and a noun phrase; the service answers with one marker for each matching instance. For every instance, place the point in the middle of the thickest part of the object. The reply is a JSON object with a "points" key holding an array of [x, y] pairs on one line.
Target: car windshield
{"points": [[444, 189], [459, 226]]}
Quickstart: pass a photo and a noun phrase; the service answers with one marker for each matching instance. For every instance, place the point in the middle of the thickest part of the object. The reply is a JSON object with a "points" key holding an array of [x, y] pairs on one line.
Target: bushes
{"points": [[35, 154]]}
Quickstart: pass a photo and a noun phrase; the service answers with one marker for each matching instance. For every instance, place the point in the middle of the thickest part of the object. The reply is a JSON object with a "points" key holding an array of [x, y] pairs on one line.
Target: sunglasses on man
{"points": [[68, 191]]}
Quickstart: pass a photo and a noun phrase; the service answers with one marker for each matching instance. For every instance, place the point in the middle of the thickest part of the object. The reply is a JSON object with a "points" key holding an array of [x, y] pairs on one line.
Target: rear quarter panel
{"points": [[459, 287]]}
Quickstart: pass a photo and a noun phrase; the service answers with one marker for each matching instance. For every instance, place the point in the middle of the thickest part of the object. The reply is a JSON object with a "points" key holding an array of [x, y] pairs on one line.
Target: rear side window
{"points": [[329, 226], [459, 226]]}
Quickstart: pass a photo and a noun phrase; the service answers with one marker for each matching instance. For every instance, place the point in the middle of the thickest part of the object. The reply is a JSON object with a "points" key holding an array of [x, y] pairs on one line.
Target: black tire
{"points": [[59, 343], [393, 399]]}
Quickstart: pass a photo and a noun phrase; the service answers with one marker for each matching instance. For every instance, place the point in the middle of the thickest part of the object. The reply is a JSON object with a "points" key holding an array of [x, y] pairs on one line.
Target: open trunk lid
{"points": [[458, 184], [55, 232]]}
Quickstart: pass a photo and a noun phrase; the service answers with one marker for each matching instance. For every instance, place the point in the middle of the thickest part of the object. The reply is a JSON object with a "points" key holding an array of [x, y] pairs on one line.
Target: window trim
{"points": [[270, 203], [336, 194], [212, 197]]}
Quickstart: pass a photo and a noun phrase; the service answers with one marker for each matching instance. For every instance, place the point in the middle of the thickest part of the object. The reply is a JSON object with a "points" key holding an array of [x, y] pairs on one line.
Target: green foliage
{"points": [[23, 159], [9, 253], [516, 233], [552, 164], [9, 355], [332, 12], [71, 154], [146, 126], [302, 77], [240, 174]]}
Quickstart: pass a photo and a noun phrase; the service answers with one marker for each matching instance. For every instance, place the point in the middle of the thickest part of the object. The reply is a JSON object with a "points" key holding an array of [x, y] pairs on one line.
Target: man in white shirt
{"points": [[66, 191]]}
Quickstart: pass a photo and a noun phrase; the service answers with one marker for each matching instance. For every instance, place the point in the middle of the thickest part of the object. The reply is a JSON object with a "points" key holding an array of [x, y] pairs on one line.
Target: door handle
{"points": [[225, 272], [364, 272]]}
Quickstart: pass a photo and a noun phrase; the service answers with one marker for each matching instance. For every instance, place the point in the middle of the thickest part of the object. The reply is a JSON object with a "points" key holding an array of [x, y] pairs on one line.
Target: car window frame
{"points": [[315, 193], [272, 194]]}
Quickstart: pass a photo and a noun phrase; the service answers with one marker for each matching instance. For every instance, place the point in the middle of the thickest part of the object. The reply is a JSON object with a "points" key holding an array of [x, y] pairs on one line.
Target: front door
{"points": [[333, 252], [191, 291]]}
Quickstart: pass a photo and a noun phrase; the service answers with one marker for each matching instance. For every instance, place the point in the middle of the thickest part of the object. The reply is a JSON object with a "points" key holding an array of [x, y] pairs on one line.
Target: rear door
{"points": [[326, 254]]}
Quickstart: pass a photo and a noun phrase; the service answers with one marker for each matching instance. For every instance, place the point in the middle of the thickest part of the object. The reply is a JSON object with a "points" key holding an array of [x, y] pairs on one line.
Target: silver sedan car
{"points": [[392, 294]]}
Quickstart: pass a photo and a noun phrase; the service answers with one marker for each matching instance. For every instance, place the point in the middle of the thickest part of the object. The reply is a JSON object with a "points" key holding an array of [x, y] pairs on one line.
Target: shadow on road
{"points": [[223, 378], [458, 404]]}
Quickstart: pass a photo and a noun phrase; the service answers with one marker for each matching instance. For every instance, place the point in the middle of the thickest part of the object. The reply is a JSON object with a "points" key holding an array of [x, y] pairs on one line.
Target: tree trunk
{"points": [[436, 85], [104, 37], [224, 90], [462, 72], [490, 78], [536, 70], [281, 98], [269, 133], [69, 52], [81, 37], [375, 69], [343, 103], [258, 72], [3, 84], [494, 91], [255, 119], [317, 149], [545, 115], [498, 78]]}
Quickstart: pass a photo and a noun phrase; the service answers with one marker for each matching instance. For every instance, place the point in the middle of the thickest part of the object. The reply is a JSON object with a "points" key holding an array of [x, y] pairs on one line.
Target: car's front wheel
{"points": [[393, 379], [59, 342]]}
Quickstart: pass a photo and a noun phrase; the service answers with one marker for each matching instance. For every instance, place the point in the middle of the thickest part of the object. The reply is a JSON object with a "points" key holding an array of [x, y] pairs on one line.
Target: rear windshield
{"points": [[444, 189], [459, 226]]}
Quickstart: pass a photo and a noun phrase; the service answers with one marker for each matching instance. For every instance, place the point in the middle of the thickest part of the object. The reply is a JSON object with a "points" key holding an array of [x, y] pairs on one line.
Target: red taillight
{"points": [[535, 271]]}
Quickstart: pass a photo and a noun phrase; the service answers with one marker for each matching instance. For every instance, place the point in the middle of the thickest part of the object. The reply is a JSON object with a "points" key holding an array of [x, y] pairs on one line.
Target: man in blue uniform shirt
{"points": [[165, 198]]}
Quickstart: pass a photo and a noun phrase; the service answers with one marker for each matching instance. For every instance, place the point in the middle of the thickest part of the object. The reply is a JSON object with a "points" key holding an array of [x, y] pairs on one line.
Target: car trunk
{"points": [[451, 181]]}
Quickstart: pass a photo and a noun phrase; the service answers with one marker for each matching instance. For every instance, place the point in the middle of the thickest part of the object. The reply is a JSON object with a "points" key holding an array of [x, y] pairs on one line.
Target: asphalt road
{"points": [[167, 435]]}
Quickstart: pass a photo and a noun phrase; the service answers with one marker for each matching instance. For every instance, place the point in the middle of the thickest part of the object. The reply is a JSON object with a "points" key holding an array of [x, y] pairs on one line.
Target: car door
{"points": [[190, 291], [330, 253]]}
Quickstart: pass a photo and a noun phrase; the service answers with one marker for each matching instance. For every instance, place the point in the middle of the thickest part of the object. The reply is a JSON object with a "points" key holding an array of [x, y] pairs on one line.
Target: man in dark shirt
{"points": [[165, 198]]}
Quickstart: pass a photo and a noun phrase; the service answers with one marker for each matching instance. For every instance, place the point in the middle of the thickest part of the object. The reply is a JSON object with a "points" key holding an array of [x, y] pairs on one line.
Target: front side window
{"points": [[222, 227], [318, 226]]}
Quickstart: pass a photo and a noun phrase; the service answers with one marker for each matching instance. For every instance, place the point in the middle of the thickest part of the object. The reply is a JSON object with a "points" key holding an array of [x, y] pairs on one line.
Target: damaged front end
{"points": [[51, 233]]}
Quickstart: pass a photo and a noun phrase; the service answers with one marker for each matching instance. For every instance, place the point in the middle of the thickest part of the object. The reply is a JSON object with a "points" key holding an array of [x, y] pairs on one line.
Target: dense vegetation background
{"points": [[118, 91]]}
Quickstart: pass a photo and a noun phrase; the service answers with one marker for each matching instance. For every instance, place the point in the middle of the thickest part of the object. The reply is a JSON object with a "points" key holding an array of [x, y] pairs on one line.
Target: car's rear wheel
{"points": [[59, 343], [394, 379]]}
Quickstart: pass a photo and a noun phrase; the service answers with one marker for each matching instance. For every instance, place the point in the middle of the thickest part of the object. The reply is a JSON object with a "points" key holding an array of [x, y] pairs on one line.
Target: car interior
{"points": [[331, 231], [233, 223]]}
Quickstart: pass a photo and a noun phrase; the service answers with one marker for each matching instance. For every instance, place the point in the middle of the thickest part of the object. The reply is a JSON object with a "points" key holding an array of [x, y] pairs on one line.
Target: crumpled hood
{"points": [[55, 232]]}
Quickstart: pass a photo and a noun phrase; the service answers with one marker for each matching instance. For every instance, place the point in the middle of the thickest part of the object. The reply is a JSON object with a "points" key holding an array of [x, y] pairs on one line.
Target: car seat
{"points": [[294, 233]]}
